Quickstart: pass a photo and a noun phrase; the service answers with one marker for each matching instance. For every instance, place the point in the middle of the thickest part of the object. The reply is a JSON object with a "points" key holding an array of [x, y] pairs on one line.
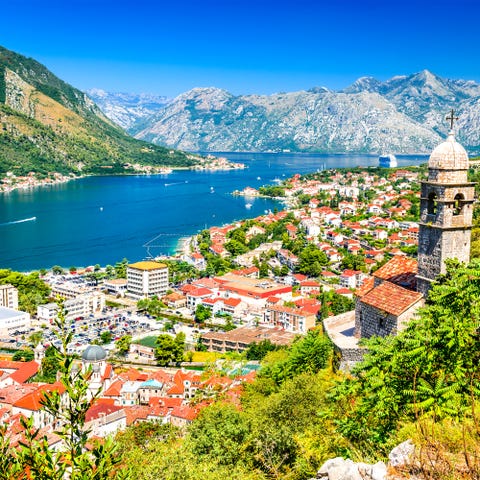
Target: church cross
{"points": [[451, 118]]}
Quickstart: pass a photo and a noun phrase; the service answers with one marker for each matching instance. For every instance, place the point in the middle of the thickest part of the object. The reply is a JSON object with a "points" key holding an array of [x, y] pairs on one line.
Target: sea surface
{"points": [[105, 219]]}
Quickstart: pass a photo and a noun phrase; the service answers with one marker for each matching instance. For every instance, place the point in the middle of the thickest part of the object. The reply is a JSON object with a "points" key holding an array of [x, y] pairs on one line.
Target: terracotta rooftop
{"points": [[399, 270], [33, 401], [366, 286], [391, 298]]}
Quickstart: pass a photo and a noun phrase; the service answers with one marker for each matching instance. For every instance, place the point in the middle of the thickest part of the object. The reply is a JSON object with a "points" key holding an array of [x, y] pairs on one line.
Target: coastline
{"points": [[29, 182]]}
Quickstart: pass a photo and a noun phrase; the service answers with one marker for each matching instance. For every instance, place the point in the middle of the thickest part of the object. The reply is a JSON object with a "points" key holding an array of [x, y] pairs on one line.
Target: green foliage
{"points": [[218, 434], [272, 191], [153, 306], [312, 260], [106, 336], [23, 356], [32, 291], [169, 350], [258, 350], [123, 344], [306, 355], [202, 313]]}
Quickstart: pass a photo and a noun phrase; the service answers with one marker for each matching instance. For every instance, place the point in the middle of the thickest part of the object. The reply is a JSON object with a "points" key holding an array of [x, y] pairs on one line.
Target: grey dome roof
{"points": [[449, 155], [94, 353]]}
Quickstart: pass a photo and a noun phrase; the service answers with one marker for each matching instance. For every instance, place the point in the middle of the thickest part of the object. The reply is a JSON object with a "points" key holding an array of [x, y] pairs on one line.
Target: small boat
{"points": [[248, 205], [387, 161], [212, 190], [259, 178]]}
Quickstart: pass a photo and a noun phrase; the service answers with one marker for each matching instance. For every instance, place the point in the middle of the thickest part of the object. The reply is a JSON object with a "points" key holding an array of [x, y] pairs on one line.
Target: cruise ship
{"points": [[387, 161]]}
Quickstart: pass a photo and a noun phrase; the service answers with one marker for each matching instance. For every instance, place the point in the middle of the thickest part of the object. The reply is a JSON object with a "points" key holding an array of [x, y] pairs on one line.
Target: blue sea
{"points": [[105, 219]]}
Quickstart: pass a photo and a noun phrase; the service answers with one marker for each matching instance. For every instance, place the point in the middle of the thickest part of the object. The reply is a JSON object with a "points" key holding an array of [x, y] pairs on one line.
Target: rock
{"points": [[379, 471], [402, 454], [339, 469]]}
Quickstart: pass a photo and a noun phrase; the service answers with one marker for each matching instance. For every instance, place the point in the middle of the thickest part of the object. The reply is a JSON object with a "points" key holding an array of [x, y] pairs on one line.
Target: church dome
{"points": [[449, 155], [94, 353]]}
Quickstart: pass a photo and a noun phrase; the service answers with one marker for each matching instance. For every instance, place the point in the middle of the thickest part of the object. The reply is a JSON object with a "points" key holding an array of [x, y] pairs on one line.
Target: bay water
{"points": [[105, 219]]}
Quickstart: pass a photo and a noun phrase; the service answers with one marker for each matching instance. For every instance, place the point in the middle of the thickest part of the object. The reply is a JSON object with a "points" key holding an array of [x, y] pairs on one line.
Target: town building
{"points": [[147, 279], [241, 338], [8, 296], [12, 320]]}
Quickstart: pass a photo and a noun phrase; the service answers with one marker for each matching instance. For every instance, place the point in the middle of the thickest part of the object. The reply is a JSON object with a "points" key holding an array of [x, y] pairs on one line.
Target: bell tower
{"points": [[446, 207]]}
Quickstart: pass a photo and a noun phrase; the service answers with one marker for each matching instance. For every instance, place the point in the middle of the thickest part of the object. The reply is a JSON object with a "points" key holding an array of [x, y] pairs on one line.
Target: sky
{"points": [[244, 46]]}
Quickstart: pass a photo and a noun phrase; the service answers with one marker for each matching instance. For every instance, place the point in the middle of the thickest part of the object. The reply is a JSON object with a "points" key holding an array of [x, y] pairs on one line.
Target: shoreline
{"points": [[31, 184]]}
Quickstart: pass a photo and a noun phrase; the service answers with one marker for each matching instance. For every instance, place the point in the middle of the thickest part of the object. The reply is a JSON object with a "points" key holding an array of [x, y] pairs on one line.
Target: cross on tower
{"points": [[451, 118]]}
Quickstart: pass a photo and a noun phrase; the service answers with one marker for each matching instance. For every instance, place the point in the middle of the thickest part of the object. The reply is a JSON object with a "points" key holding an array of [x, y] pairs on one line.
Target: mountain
{"points": [[405, 114], [316, 120], [46, 125], [126, 109]]}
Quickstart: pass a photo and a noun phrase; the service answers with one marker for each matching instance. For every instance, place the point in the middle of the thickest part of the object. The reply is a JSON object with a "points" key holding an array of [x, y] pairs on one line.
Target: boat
{"points": [[248, 205], [387, 161], [212, 190]]}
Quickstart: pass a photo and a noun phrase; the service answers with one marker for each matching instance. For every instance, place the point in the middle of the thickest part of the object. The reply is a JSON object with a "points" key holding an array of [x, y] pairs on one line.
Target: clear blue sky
{"points": [[244, 46]]}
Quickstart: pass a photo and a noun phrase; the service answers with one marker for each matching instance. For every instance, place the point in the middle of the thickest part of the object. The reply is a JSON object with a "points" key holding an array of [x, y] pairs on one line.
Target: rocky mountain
{"points": [[405, 114], [46, 125], [126, 109]]}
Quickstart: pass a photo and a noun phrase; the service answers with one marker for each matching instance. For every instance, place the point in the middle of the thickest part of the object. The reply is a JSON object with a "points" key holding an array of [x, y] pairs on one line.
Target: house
{"points": [[351, 278], [309, 287]]}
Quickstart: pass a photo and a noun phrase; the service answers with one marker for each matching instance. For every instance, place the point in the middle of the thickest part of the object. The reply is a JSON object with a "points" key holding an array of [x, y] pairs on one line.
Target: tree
{"points": [[57, 270], [23, 356], [168, 349], [263, 273], [202, 313], [35, 338], [123, 344], [258, 350], [219, 433], [106, 336], [312, 260]]}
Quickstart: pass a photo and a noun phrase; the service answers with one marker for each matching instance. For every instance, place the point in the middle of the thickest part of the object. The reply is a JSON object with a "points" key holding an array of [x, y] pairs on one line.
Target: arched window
{"points": [[432, 204], [458, 205]]}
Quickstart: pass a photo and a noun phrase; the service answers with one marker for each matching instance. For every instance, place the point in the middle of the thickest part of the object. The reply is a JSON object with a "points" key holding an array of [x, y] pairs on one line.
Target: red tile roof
{"points": [[391, 298], [365, 287], [399, 270], [33, 401], [101, 408], [25, 371]]}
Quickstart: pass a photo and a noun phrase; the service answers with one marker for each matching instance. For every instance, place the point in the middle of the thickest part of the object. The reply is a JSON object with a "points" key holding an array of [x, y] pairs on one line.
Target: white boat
{"points": [[212, 190], [387, 161], [248, 205]]}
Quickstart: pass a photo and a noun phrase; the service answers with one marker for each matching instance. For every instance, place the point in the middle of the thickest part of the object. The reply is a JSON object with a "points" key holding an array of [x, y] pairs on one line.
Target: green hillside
{"points": [[46, 125]]}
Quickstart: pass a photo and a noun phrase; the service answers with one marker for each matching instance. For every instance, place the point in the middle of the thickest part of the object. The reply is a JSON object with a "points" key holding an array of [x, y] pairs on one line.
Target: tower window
{"points": [[458, 204], [432, 204]]}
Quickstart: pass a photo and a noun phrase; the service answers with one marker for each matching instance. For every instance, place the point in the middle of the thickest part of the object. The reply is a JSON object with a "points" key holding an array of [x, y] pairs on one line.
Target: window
{"points": [[432, 204], [458, 204]]}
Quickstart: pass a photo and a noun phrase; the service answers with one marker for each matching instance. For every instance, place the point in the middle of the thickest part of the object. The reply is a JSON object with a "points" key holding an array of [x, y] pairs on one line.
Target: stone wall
{"points": [[371, 321]]}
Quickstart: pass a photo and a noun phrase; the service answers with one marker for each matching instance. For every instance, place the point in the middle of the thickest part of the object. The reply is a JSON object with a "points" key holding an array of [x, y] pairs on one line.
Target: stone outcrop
{"points": [[346, 469]]}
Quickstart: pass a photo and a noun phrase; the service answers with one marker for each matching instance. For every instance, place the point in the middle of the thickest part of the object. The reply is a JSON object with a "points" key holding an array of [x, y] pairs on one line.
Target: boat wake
{"points": [[31, 219]]}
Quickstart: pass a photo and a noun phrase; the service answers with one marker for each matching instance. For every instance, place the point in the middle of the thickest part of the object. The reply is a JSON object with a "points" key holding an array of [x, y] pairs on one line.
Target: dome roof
{"points": [[94, 353], [449, 155]]}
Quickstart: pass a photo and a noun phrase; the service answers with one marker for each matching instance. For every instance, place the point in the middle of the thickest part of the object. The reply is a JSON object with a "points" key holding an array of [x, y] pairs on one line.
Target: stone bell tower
{"points": [[446, 207]]}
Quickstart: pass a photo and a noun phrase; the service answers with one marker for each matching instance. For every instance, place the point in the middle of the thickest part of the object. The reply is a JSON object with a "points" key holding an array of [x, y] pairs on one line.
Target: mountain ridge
{"points": [[48, 126], [404, 114]]}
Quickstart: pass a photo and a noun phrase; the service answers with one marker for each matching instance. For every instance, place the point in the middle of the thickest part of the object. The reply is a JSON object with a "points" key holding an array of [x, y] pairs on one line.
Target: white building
{"points": [[12, 320], [8, 296], [80, 306], [147, 279]]}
